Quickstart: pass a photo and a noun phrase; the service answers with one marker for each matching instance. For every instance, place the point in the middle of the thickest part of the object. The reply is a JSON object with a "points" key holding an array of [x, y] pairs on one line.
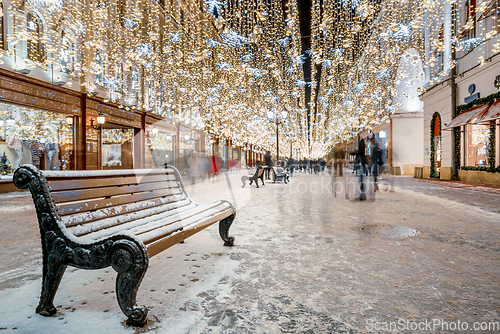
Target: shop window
{"points": [[161, 147], [67, 52], [477, 145], [34, 41], [117, 148], [38, 137]]}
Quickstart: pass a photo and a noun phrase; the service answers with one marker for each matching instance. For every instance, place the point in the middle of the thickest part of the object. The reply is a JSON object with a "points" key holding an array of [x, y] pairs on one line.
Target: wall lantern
{"points": [[100, 121]]}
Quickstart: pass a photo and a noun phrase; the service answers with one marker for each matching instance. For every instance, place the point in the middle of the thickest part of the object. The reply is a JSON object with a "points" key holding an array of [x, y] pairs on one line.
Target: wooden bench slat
{"points": [[82, 194], [167, 220], [58, 184], [66, 209], [174, 238], [146, 232], [186, 221], [125, 222], [87, 217]]}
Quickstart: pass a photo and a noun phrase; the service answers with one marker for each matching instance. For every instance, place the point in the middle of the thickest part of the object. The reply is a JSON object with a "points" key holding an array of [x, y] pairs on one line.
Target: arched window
{"points": [[118, 79], [435, 144], [122, 11], [34, 42], [135, 86], [470, 16], [98, 68], [152, 99], [67, 52]]}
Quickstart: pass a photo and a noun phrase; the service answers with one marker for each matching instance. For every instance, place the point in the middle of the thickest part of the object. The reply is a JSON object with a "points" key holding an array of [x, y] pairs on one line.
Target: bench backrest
{"points": [[83, 198]]}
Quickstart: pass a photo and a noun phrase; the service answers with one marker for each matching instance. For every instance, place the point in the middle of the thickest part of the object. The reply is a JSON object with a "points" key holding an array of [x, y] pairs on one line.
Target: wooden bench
{"points": [[118, 218], [279, 174], [259, 174]]}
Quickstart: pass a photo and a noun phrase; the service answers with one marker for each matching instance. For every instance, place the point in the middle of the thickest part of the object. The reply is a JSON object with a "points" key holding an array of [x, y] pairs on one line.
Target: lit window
{"points": [[34, 42]]}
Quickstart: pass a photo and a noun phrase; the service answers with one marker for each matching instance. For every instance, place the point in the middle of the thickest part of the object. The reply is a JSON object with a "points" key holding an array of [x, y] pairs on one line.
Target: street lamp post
{"points": [[278, 119]]}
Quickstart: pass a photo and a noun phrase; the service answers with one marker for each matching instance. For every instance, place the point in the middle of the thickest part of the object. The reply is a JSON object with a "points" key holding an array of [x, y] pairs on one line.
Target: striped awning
{"points": [[492, 114], [468, 116]]}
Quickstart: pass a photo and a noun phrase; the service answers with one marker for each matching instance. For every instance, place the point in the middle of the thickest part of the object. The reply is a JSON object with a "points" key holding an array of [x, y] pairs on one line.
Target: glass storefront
{"points": [[117, 148], [35, 136], [161, 147], [477, 145], [186, 147]]}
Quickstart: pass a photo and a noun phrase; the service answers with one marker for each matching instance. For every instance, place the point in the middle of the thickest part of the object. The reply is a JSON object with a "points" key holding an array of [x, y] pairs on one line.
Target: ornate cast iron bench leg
{"points": [[55, 255], [130, 261], [224, 226]]}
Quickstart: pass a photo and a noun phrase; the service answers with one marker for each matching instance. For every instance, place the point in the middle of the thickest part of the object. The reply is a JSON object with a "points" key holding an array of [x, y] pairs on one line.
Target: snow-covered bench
{"points": [[259, 174], [118, 218], [279, 174]]}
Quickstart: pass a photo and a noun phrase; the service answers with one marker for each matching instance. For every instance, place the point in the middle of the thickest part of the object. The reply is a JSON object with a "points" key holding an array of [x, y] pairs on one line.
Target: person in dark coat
{"points": [[376, 162], [360, 162], [291, 166], [269, 163]]}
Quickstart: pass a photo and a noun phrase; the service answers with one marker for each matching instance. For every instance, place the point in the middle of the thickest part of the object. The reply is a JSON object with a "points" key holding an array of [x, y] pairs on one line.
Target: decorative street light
{"points": [[278, 119]]}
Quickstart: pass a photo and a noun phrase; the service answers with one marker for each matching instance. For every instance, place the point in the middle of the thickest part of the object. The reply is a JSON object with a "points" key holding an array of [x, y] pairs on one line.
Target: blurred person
{"points": [[338, 158], [193, 163], [269, 163], [360, 162], [291, 166], [376, 162]]}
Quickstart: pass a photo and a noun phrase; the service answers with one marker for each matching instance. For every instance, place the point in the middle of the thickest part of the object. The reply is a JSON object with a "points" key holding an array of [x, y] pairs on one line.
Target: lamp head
{"points": [[101, 119], [284, 114]]}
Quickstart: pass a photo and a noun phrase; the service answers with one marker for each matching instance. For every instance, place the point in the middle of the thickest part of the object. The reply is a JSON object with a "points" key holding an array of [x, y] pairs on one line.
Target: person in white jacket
{"points": [[193, 162], [16, 144]]}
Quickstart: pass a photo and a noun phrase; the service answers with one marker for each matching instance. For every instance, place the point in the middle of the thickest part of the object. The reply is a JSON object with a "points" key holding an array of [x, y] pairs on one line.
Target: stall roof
{"points": [[492, 113], [467, 116]]}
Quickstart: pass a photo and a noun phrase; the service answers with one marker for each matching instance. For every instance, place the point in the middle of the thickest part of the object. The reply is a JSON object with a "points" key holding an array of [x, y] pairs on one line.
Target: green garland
{"points": [[482, 169], [491, 150], [433, 146], [490, 99]]}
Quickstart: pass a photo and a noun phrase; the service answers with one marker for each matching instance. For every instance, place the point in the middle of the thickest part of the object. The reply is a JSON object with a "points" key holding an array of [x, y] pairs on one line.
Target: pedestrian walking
{"points": [[193, 163], [360, 162], [269, 164], [291, 166], [338, 160], [376, 162]]}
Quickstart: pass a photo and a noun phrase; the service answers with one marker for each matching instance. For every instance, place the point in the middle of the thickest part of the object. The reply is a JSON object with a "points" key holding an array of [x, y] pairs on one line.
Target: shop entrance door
{"points": [[117, 147]]}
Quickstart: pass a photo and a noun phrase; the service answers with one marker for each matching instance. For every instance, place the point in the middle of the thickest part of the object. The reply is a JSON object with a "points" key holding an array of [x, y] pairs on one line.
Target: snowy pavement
{"points": [[304, 261]]}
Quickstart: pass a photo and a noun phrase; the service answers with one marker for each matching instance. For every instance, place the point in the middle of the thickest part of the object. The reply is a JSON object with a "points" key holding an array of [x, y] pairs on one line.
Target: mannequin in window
{"points": [[50, 150], [16, 144]]}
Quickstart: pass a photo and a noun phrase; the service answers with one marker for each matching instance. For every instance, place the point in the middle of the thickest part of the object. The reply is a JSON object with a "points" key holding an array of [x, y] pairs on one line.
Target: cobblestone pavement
{"points": [[304, 261]]}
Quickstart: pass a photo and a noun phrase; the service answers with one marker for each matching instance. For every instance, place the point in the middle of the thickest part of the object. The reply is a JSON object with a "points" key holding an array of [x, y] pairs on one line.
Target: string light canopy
{"points": [[223, 65], [209, 64], [360, 46]]}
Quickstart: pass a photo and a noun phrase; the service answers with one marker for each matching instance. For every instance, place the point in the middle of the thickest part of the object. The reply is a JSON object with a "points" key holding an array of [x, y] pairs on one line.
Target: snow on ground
{"points": [[304, 261]]}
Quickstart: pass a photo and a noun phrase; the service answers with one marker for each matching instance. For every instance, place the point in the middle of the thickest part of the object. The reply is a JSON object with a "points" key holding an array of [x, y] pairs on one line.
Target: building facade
{"points": [[462, 67]]}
